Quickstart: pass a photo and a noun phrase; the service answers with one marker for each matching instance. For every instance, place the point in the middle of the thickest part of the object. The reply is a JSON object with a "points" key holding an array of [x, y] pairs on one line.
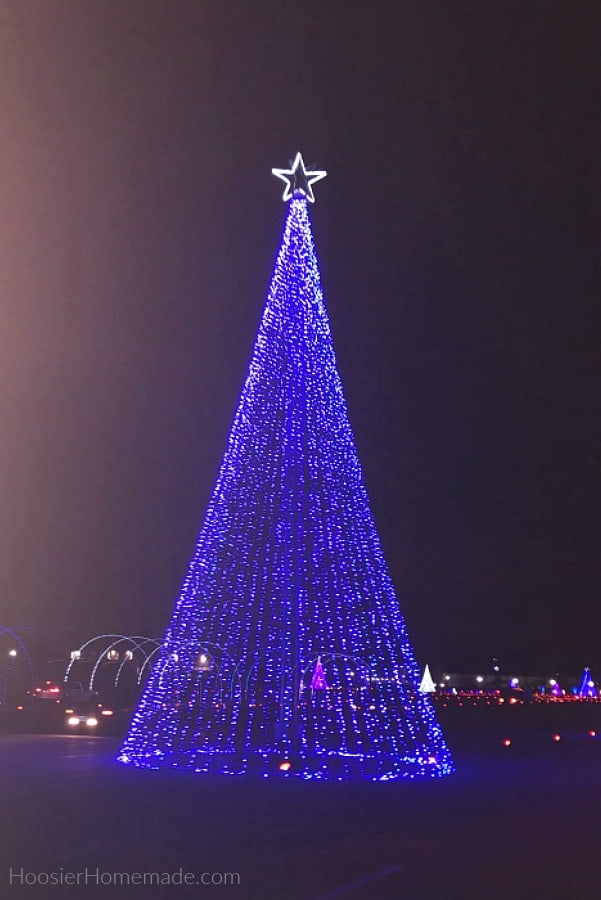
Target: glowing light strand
{"points": [[289, 568]]}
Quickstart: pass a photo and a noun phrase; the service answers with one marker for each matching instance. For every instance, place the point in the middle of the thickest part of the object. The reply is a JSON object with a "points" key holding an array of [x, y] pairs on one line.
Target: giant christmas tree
{"points": [[287, 652]]}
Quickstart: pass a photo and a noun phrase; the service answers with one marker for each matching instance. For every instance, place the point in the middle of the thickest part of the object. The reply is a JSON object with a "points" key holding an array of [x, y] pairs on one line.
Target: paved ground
{"points": [[507, 825]]}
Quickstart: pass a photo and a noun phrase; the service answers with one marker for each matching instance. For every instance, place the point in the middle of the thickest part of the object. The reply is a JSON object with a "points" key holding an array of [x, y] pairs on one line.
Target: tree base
{"points": [[329, 766]]}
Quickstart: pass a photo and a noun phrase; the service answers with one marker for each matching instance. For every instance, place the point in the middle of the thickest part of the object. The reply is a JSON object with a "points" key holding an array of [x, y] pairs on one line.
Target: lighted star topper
{"points": [[298, 180]]}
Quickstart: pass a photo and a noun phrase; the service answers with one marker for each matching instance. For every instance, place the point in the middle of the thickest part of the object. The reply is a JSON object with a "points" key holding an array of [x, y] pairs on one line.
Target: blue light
{"points": [[289, 577], [587, 685]]}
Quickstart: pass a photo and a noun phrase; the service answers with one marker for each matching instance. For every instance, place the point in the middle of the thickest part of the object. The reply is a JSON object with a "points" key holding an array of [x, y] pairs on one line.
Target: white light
{"points": [[203, 658], [447, 678], [290, 177], [73, 720], [479, 679], [75, 654], [12, 652], [552, 682], [106, 712], [92, 722]]}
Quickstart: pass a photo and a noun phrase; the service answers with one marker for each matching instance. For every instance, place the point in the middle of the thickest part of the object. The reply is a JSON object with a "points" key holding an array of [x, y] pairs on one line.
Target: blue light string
{"points": [[288, 567]]}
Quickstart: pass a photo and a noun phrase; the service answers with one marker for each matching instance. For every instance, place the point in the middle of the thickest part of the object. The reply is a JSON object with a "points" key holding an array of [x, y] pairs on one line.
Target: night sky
{"points": [[458, 234]]}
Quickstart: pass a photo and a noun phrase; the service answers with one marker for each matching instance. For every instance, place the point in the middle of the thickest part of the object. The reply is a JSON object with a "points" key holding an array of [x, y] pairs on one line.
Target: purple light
{"points": [[288, 581], [318, 681]]}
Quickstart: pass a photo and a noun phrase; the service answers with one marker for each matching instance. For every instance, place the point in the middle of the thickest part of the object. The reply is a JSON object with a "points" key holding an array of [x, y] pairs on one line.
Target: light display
{"points": [[318, 681], [427, 685], [556, 690], [587, 685], [287, 653], [297, 180]]}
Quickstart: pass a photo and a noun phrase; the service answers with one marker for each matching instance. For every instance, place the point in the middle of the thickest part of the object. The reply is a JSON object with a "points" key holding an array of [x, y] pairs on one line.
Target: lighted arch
{"points": [[80, 650], [130, 639], [245, 660], [150, 656], [140, 647]]}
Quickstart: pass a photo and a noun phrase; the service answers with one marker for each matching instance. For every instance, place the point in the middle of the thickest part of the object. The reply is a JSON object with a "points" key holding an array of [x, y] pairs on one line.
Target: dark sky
{"points": [[458, 232]]}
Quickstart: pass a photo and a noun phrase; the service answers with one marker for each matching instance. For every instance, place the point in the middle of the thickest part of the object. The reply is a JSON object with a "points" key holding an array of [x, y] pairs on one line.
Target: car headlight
{"points": [[73, 720], [92, 722]]}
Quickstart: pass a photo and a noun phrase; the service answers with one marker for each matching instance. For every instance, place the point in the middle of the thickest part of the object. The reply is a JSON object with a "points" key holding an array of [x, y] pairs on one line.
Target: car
{"points": [[85, 715]]}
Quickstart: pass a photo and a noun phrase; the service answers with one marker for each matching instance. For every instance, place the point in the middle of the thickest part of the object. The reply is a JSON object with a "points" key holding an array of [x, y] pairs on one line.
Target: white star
{"points": [[298, 180]]}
